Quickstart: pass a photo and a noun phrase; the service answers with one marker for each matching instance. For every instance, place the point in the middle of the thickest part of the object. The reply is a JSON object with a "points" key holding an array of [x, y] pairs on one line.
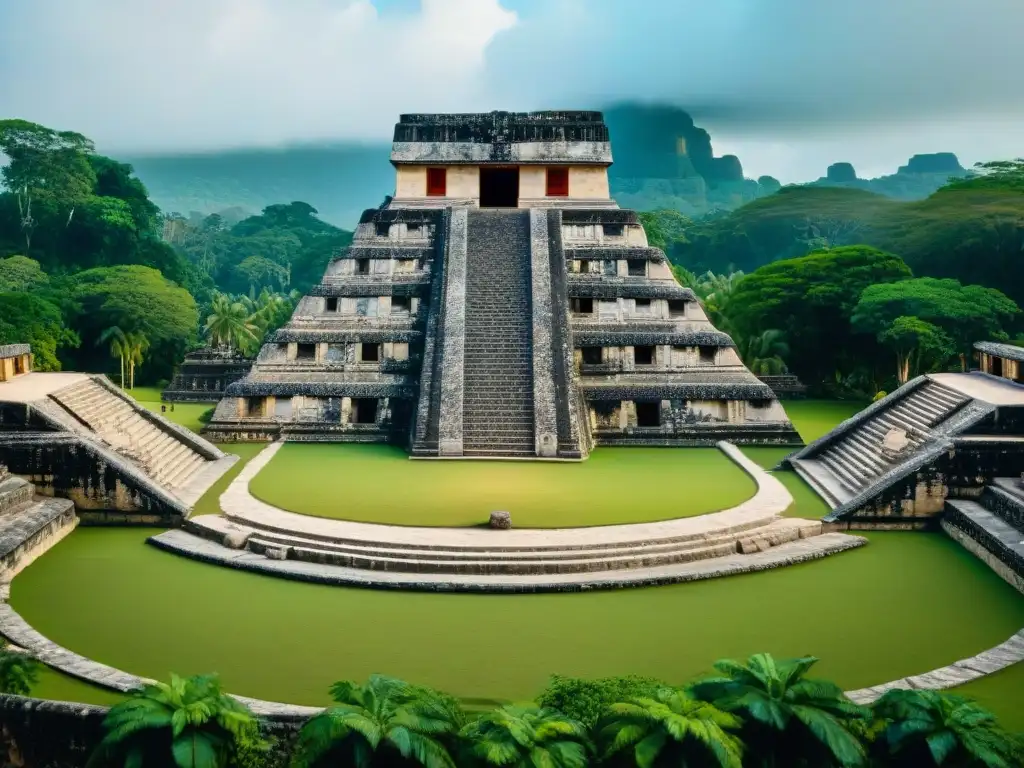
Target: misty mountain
{"points": [[662, 161]]}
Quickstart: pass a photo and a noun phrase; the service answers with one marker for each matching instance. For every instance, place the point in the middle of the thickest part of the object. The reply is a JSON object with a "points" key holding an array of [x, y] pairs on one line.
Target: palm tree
{"points": [[187, 723], [379, 721], [764, 353], [525, 736], [924, 728], [229, 323], [137, 344], [787, 718], [118, 346], [672, 729], [18, 672]]}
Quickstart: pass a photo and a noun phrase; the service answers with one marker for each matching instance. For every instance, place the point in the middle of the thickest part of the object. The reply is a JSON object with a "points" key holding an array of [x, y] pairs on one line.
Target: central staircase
{"points": [[498, 415]]}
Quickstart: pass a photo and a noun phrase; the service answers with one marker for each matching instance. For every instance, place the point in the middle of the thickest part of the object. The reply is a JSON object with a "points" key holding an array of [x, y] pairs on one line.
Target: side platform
{"points": [[77, 436]]}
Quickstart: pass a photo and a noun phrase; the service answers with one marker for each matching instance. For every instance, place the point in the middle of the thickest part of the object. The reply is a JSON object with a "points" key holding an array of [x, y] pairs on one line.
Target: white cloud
{"points": [[214, 73]]}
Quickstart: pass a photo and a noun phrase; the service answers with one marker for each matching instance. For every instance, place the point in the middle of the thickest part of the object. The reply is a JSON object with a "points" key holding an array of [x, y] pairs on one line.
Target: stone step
{"points": [[15, 493], [615, 555]]}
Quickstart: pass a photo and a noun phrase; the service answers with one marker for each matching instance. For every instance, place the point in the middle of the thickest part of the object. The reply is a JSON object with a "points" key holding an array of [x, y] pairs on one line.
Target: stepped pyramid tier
{"points": [[78, 436], [205, 374], [939, 437], [29, 524], [501, 305]]}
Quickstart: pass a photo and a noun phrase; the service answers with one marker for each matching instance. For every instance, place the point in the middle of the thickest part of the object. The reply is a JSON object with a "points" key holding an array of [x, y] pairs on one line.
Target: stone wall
{"points": [[103, 486], [58, 734], [41, 529]]}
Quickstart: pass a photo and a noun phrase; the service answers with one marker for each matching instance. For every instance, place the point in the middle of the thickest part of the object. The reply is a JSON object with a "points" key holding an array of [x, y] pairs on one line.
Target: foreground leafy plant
{"points": [[527, 736], [788, 719], [925, 728], [379, 721], [187, 723], [18, 672], [672, 729]]}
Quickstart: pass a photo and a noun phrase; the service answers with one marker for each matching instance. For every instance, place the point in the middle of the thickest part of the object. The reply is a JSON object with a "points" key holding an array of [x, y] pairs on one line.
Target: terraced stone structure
{"points": [[501, 305], [79, 437], [205, 374]]}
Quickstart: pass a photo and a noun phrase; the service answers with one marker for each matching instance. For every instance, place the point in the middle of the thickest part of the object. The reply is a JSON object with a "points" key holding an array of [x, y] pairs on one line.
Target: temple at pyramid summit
{"points": [[501, 304]]}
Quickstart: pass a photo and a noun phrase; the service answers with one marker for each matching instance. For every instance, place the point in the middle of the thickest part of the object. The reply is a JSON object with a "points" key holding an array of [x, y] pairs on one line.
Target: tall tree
{"points": [[20, 273], [810, 300], [672, 729], [45, 168], [118, 342], [229, 324], [139, 300], [26, 318], [789, 719], [966, 313], [526, 736]]}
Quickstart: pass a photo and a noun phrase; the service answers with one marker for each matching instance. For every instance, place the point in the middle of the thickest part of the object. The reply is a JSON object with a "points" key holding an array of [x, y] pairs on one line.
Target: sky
{"points": [[789, 86]]}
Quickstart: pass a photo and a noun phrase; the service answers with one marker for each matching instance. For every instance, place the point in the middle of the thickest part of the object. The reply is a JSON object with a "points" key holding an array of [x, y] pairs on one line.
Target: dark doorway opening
{"points": [[648, 414], [364, 410], [997, 366], [499, 187]]}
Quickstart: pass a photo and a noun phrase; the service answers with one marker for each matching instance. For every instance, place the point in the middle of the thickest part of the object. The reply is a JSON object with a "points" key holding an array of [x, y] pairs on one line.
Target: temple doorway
{"points": [[499, 187]]}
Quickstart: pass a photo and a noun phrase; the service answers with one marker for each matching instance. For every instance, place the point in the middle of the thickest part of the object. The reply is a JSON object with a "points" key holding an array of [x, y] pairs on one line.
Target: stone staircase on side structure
{"points": [[122, 425], [992, 527], [857, 455], [28, 523], [498, 413]]}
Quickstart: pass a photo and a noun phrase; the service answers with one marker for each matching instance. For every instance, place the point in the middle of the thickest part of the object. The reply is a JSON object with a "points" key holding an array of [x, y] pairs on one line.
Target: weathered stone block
{"points": [[501, 520]]}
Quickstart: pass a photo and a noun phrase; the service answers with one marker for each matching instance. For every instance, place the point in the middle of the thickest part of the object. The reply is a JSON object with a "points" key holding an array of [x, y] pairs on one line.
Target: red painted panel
{"points": [[436, 182], [558, 182]]}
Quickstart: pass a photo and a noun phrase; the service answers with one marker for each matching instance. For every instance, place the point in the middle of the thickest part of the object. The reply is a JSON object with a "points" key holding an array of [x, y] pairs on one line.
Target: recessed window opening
{"points": [[613, 230], [648, 414], [331, 305], [400, 304], [369, 353], [583, 306], [643, 306], [636, 268], [362, 266], [437, 182], [305, 352], [383, 229], [364, 410], [592, 355], [707, 354], [676, 308], [557, 184], [643, 355]]}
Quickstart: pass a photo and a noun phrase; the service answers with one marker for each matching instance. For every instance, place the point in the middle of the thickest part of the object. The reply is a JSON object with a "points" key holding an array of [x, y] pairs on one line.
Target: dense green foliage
{"points": [[187, 723], [585, 700], [385, 717], [18, 671], [761, 713], [87, 277], [810, 299], [285, 247], [972, 230]]}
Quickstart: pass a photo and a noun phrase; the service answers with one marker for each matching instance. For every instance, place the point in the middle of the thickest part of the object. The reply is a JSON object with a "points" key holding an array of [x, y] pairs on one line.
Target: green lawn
{"points": [[380, 484], [185, 414], [907, 603], [814, 418]]}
